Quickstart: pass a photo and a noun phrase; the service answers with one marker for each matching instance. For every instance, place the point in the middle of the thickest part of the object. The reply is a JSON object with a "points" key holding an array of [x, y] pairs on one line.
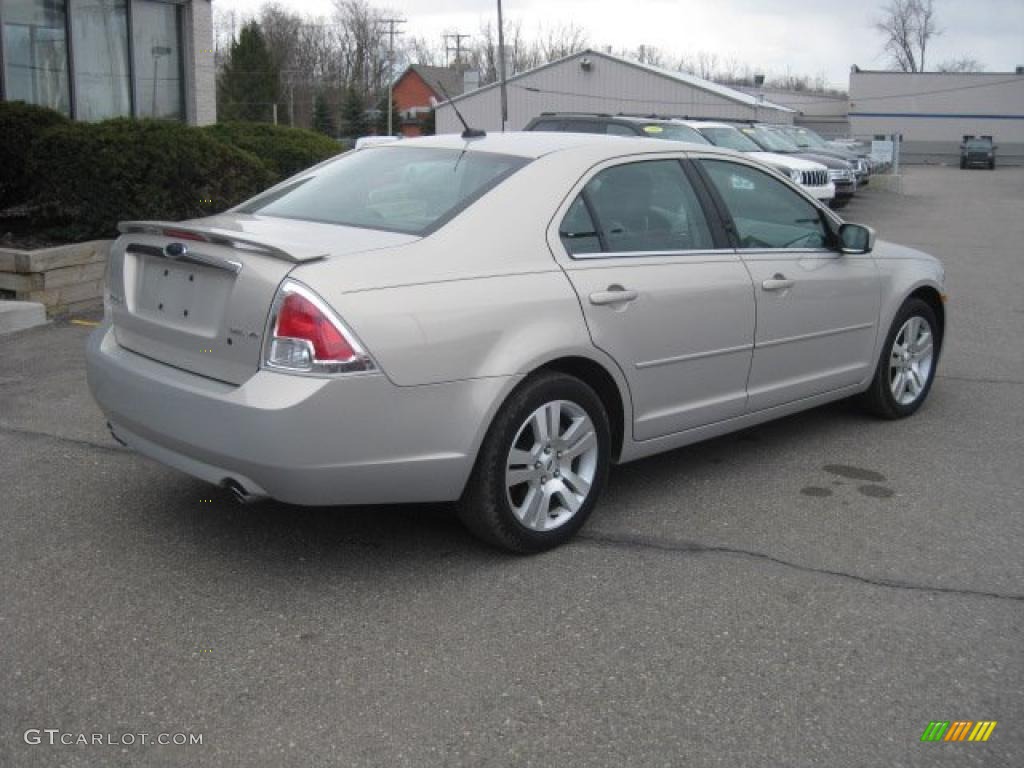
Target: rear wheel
{"points": [[907, 364], [541, 467]]}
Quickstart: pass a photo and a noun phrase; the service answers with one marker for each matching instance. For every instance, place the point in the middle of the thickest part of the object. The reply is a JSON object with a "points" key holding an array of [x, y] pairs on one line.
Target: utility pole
{"points": [[501, 68], [457, 47], [391, 63]]}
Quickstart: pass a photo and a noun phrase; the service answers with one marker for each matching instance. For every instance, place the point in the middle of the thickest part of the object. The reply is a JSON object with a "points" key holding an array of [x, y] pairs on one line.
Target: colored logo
{"points": [[958, 730]]}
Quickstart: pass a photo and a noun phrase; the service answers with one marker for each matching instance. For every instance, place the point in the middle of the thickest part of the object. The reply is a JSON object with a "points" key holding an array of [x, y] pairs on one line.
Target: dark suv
{"points": [[615, 125], [978, 151]]}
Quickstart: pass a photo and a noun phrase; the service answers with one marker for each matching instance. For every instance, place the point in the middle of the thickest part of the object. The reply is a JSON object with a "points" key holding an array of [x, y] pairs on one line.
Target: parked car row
{"points": [[830, 173]]}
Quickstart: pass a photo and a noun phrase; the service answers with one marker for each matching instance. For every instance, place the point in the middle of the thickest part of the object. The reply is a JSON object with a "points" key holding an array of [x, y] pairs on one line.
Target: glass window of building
{"points": [[99, 36], [156, 39], [36, 53]]}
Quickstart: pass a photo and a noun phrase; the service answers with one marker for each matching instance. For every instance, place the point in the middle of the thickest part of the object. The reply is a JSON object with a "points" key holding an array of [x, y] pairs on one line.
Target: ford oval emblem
{"points": [[175, 250]]}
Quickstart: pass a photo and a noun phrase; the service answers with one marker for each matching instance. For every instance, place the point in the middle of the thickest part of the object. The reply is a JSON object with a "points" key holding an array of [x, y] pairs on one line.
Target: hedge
{"points": [[89, 176], [21, 125], [285, 151]]}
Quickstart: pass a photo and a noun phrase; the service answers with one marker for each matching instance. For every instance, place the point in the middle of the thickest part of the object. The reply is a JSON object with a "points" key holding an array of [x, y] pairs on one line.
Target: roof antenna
{"points": [[469, 133]]}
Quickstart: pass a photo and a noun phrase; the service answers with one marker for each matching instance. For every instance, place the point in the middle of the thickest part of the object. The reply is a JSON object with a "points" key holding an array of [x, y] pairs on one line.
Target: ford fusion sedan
{"points": [[495, 321]]}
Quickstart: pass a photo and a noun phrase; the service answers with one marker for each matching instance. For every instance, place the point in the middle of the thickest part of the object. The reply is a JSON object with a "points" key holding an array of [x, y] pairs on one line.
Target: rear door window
{"points": [[640, 207]]}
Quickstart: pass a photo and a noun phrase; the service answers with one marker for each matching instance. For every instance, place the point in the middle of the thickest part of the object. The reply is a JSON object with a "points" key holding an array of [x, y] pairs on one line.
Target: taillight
{"points": [[184, 234], [306, 336]]}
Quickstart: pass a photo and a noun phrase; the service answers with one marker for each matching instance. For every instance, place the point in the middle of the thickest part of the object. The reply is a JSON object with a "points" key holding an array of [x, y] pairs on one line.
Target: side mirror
{"points": [[856, 239]]}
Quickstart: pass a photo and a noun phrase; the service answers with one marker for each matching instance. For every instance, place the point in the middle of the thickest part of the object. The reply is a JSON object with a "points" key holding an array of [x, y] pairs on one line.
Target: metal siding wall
{"points": [[934, 137], [609, 86]]}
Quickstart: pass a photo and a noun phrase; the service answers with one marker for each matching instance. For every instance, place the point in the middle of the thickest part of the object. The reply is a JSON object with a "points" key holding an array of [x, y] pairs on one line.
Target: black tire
{"points": [[838, 203], [485, 508], [879, 398], [992, 165], [963, 165]]}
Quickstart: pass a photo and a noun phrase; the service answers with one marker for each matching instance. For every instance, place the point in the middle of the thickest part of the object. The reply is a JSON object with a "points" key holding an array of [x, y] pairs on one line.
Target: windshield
{"points": [[399, 189], [770, 140], [979, 144], [806, 138], [673, 132], [728, 137]]}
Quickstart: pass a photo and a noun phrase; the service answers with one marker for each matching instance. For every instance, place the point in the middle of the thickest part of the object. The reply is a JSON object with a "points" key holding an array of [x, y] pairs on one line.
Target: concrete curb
{"points": [[19, 315]]}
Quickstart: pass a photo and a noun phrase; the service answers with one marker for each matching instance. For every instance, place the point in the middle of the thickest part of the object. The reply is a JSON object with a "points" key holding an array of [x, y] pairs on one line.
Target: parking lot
{"points": [[810, 592]]}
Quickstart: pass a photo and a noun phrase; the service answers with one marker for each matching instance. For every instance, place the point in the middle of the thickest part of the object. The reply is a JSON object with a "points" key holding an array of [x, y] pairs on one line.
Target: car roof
{"points": [[534, 144], [597, 117]]}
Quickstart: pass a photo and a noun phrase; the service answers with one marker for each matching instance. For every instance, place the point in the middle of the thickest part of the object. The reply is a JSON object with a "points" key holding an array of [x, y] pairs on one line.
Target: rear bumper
{"points": [[301, 440]]}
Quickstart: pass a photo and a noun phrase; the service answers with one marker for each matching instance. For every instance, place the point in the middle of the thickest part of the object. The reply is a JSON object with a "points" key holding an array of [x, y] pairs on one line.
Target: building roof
{"points": [[450, 78], [681, 77]]}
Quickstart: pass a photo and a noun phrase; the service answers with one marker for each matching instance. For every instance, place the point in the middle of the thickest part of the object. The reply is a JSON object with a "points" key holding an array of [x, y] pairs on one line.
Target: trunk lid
{"points": [[196, 295]]}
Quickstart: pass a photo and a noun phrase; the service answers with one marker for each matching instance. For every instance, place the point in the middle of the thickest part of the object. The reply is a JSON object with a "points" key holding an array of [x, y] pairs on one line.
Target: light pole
{"points": [[501, 69]]}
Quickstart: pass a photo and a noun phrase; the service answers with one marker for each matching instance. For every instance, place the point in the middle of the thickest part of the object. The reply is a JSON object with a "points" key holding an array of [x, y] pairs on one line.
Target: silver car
{"points": [[496, 320]]}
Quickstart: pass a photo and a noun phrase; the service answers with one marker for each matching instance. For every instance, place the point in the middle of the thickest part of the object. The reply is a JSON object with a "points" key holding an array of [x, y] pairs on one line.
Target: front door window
{"points": [[766, 212]]}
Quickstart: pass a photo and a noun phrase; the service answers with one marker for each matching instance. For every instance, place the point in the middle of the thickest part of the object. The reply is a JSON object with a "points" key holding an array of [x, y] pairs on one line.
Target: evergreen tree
{"points": [[323, 119], [248, 84], [353, 114], [381, 123]]}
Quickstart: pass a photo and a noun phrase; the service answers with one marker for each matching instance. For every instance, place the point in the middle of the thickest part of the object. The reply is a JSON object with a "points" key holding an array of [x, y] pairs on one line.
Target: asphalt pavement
{"points": [[812, 592]]}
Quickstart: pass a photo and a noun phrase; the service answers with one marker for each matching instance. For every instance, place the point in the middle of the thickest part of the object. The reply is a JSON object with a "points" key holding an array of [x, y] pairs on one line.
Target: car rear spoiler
{"points": [[296, 253]]}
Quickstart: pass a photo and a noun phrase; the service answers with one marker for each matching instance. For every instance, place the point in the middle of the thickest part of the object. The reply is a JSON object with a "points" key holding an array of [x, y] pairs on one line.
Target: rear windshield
{"points": [[412, 190], [728, 137]]}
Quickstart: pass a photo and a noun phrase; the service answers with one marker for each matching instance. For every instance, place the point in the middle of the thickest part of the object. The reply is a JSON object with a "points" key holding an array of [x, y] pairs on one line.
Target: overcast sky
{"points": [[808, 37]]}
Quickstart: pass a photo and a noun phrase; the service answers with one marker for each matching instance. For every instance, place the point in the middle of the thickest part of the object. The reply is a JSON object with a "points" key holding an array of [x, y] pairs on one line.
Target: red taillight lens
{"points": [[299, 318], [184, 234], [306, 336]]}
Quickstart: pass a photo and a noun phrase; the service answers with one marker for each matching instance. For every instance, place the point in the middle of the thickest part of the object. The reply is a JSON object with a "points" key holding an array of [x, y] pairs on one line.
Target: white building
{"points": [[97, 59], [934, 111], [592, 81]]}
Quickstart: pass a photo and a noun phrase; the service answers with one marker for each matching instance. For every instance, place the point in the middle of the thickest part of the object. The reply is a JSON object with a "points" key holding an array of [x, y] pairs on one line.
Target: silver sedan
{"points": [[495, 320]]}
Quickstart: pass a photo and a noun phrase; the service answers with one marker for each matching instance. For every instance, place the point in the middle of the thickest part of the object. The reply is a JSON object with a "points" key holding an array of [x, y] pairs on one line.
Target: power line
{"points": [[457, 47]]}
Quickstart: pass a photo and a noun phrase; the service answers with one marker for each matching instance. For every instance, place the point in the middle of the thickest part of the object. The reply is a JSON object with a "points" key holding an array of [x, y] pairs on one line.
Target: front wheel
{"points": [[541, 467], [907, 364]]}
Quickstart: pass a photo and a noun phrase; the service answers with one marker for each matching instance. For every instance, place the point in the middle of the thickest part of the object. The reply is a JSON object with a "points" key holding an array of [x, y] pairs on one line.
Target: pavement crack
{"points": [[978, 380], [683, 547], [6, 429]]}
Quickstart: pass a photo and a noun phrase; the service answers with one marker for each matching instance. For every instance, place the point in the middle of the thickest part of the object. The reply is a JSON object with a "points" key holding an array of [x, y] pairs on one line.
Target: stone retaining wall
{"points": [[65, 279]]}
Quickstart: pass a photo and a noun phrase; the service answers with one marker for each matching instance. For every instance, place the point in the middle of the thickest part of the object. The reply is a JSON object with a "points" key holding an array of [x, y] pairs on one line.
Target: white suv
{"points": [[810, 175]]}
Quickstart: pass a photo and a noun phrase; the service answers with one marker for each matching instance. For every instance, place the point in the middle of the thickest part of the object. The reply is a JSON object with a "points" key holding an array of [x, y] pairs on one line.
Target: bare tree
{"points": [[561, 41], [419, 50], [908, 26], [962, 64]]}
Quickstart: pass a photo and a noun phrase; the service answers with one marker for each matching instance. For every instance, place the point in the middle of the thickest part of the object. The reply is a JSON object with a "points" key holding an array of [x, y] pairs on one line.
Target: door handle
{"points": [[615, 294], [778, 282]]}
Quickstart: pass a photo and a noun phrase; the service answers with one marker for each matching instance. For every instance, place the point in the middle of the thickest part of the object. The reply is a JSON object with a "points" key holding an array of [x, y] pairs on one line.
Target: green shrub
{"points": [[20, 125], [89, 176], [285, 151]]}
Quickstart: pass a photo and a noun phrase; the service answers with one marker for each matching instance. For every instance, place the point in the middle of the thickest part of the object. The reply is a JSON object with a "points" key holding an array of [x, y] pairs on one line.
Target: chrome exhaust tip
{"points": [[242, 496]]}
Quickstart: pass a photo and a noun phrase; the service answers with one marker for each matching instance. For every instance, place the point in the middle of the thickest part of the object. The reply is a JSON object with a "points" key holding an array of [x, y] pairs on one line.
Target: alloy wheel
{"points": [[910, 360], [551, 465]]}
